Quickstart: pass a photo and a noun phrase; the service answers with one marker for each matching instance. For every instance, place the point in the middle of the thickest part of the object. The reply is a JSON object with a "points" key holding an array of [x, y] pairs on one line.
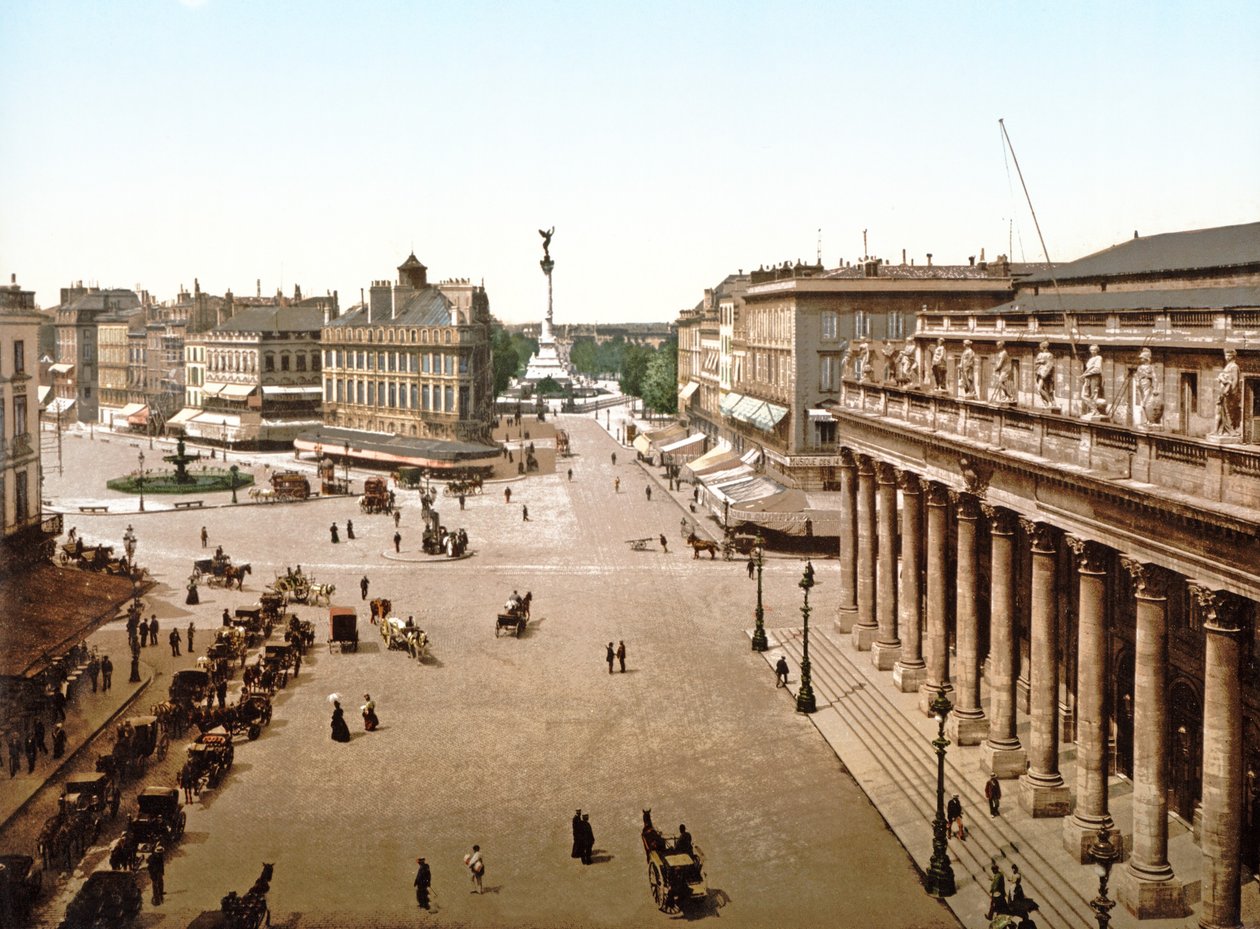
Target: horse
{"points": [[379, 609], [699, 545], [236, 573], [321, 592]]}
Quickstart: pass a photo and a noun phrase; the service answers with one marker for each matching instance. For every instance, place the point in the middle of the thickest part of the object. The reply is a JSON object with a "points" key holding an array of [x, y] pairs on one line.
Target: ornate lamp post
{"points": [[140, 482], [940, 876], [1104, 854], [129, 544], [805, 702], [234, 469], [346, 462], [759, 643]]}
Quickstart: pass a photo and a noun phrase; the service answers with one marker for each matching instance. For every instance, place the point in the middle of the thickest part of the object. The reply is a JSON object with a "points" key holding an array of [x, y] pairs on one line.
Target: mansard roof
{"points": [[426, 307], [274, 318]]}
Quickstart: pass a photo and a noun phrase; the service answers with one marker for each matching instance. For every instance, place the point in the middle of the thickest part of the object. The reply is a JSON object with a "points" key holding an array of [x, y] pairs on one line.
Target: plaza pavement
{"points": [[498, 740]]}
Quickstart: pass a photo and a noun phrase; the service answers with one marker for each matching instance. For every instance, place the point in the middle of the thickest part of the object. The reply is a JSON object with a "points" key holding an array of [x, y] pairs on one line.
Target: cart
{"points": [[343, 628], [108, 899], [639, 545], [675, 873], [511, 622]]}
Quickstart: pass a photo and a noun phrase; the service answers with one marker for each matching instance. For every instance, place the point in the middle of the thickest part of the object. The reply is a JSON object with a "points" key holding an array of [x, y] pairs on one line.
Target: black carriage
{"points": [[675, 870], [343, 628], [189, 686], [300, 634], [279, 659], [512, 622], [20, 883], [240, 911], [107, 900], [250, 715], [149, 740], [159, 820], [210, 758], [254, 623]]}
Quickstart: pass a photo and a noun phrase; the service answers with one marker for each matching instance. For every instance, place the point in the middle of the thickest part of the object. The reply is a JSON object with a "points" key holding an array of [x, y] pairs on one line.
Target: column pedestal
{"points": [[967, 730], [864, 637], [1044, 798], [1151, 896], [1004, 761], [1079, 832]]}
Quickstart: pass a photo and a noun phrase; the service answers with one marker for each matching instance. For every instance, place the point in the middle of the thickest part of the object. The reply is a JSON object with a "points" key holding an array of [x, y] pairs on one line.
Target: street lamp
{"points": [[346, 462], [940, 876], [759, 643], [1104, 854], [140, 482], [805, 702], [129, 544], [234, 469]]}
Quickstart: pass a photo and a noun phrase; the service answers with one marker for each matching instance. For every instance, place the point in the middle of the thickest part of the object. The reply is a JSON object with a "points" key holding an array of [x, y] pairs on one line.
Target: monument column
{"points": [[1001, 753], [1220, 836], [967, 725], [1042, 791], [937, 648], [910, 670], [887, 647], [864, 631], [1092, 723], [846, 611], [1147, 886]]}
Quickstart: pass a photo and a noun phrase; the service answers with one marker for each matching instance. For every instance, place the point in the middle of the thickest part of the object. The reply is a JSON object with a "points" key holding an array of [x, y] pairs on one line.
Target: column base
{"points": [[1151, 896], [1044, 799], [967, 730], [1080, 832], [909, 677], [846, 619], [1006, 761], [927, 693], [864, 637], [884, 656]]}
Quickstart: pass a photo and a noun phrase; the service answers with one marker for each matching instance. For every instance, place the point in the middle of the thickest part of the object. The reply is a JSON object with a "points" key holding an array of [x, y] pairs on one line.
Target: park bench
{"points": [[189, 504], [94, 509]]}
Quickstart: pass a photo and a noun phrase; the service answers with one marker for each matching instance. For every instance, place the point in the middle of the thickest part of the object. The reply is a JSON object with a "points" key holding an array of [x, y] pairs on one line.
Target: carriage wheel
{"points": [[180, 823], [659, 893], [255, 731]]}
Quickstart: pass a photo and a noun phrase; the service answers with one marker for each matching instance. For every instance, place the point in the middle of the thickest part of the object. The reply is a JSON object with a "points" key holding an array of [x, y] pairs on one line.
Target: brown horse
{"points": [[380, 609], [699, 545]]}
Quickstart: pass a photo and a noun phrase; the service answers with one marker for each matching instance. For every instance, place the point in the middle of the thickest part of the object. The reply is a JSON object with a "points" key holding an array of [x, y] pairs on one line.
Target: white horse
{"points": [[322, 592]]}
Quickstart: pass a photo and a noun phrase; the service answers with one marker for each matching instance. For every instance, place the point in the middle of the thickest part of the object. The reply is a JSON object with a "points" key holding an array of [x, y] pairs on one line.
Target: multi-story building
{"points": [[1077, 472], [706, 354], [21, 536], [414, 361], [119, 396], [75, 371]]}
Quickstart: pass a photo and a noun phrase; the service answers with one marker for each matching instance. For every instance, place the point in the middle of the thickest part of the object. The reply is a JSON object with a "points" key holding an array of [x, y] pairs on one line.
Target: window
{"points": [[393, 396], [314, 361], [328, 391], [464, 405], [359, 392], [21, 503], [269, 362], [415, 394], [463, 364], [424, 362], [450, 400], [19, 416], [341, 393], [380, 393], [828, 372], [450, 364], [896, 325], [371, 393], [301, 362], [861, 325], [284, 362], [19, 357], [425, 395], [829, 324]]}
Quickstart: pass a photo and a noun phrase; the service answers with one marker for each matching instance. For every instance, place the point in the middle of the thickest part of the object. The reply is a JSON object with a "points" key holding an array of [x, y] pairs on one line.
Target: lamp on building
{"points": [[1103, 852], [140, 482], [805, 702], [940, 875], [759, 643]]}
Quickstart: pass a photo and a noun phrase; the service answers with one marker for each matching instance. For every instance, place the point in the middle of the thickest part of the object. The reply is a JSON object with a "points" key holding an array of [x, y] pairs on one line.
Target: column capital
{"points": [[885, 472], [968, 504], [1041, 535], [847, 457], [938, 494], [1221, 610], [1001, 520], [908, 482], [1150, 582], [1091, 557], [866, 465]]}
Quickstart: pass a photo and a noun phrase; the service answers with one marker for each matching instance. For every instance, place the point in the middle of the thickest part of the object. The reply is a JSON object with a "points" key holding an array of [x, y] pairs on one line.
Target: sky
{"points": [[669, 143]]}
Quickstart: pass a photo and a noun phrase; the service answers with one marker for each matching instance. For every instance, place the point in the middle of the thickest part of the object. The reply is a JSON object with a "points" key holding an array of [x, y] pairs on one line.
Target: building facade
{"points": [[414, 361], [75, 373]]}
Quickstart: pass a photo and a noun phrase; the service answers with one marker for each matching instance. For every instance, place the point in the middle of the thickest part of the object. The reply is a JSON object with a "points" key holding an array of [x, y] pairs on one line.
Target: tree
{"points": [[584, 356], [505, 360], [660, 380], [634, 362]]}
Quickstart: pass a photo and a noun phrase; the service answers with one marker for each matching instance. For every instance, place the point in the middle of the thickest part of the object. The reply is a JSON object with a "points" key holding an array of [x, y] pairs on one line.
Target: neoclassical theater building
{"points": [[1058, 520]]}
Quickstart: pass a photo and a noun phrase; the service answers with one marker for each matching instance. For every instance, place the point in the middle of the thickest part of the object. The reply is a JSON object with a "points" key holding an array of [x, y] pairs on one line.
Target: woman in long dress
{"points": [[340, 731], [370, 721]]}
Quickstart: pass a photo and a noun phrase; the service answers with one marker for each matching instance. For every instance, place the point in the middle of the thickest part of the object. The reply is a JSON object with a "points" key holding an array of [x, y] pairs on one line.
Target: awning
{"points": [[221, 420], [735, 473], [183, 416], [293, 392], [685, 394], [752, 457], [139, 418], [642, 444], [237, 391], [684, 450], [45, 391], [682, 443], [746, 489], [821, 415], [715, 459], [729, 401], [131, 409], [662, 437], [59, 405], [61, 369], [758, 413]]}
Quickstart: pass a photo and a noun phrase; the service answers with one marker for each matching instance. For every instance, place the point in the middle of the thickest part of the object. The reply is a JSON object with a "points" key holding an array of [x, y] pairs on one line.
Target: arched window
{"points": [[301, 361], [284, 361], [269, 362]]}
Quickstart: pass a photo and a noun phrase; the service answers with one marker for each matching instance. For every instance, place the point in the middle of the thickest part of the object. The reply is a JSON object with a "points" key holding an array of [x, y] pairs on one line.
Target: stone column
{"points": [[1220, 836], [1042, 792], [887, 647], [846, 609], [1001, 753], [937, 645], [1092, 723], [864, 631], [1147, 886], [968, 724], [909, 670]]}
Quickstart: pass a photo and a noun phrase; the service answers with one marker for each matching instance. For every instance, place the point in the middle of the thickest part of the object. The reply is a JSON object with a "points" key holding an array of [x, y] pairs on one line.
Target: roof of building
{"points": [[1194, 250], [426, 307], [274, 319], [411, 262], [900, 272], [97, 301], [1193, 298]]}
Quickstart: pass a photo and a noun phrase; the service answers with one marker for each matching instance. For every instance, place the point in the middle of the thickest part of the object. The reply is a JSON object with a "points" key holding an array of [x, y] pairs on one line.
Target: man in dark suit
{"points": [[422, 882], [588, 839], [577, 835]]}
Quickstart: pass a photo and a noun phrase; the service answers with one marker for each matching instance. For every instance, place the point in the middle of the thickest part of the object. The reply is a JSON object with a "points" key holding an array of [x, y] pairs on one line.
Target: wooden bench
{"points": [[189, 504], [93, 509]]}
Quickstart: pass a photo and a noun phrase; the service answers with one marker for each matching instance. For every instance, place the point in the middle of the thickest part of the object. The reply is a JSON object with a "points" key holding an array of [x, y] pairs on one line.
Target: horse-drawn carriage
{"points": [[738, 543], [189, 686], [279, 659], [293, 585], [228, 649], [107, 900], [94, 558], [468, 487], [406, 636], [699, 545], [218, 571], [86, 802], [159, 820], [138, 739], [675, 869], [209, 759], [240, 911], [514, 616], [290, 485], [300, 634], [255, 622], [377, 497], [343, 628]]}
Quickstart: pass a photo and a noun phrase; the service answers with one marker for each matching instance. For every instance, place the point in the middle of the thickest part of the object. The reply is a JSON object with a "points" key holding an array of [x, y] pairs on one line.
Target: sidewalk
{"points": [[884, 740]]}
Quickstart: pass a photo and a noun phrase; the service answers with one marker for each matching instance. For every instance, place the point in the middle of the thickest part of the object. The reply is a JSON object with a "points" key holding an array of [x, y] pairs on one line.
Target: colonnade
{"points": [[899, 613]]}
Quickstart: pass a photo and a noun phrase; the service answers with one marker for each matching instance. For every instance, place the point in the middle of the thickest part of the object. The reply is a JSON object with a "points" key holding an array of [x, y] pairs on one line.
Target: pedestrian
{"points": [[476, 867], [340, 731], [332, 532], [616, 485], [59, 740], [423, 879], [993, 793], [107, 673], [781, 672], [173, 638], [648, 491], [664, 544], [570, 474], [1017, 887], [954, 814], [15, 754], [32, 748], [752, 566], [94, 671], [507, 494], [695, 495], [59, 703], [397, 543], [610, 657], [143, 631], [577, 835], [397, 518], [461, 501], [363, 587], [621, 655], [997, 891], [41, 736], [227, 617], [188, 781], [614, 454], [588, 839], [205, 537], [157, 873], [192, 631], [524, 513], [220, 692], [350, 529], [153, 629], [370, 721]]}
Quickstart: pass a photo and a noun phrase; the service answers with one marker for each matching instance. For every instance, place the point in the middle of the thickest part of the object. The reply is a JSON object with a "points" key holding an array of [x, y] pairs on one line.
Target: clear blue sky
{"points": [[669, 143]]}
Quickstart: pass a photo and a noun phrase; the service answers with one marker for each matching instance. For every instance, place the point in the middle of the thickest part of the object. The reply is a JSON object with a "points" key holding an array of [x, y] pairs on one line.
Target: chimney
{"points": [[258, 287], [1135, 235], [929, 258], [971, 260], [327, 312], [903, 257]]}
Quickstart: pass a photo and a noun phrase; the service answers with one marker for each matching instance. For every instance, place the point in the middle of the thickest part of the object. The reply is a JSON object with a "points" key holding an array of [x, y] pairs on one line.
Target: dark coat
{"points": [[578, 833], [340, 731]]}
